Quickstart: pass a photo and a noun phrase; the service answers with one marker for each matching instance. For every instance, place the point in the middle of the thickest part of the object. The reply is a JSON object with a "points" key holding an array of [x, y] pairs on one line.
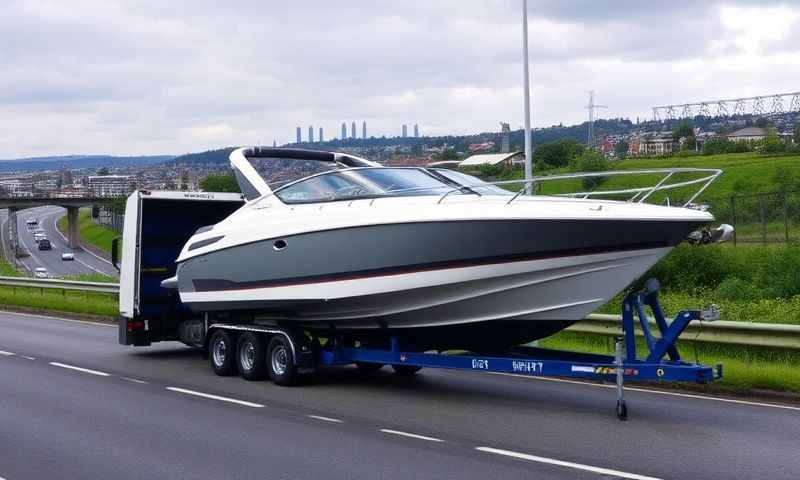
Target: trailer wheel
{"points": [[221, 353], [251, 356], [405, 370], [367, 367], [282, 369]]}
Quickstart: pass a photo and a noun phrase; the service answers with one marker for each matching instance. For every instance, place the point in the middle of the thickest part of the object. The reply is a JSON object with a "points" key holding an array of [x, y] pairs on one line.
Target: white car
{"points": [[67, 256], [37, 237], [40, 272]]}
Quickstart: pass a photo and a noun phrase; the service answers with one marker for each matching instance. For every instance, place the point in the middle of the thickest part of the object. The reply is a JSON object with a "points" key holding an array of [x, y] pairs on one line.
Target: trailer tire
{"points": [[280, 359], [405, 370], [367, 367], [251, 356], [222, 353]]}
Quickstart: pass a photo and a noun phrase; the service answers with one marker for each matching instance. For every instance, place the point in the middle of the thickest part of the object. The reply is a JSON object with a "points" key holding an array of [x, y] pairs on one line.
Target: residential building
{"points": [[321, 138], [652, 144], [405, 130], [416, 130], [364, 129], [353, 130], [299, 135], [310, 134], [110, 185], [344, 130], [748, 134]]}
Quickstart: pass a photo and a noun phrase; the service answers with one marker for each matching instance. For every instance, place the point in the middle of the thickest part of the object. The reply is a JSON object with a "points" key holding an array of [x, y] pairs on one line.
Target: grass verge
{"points": [[7, 270], [91, 233], [89, 303], [744, 369], [92, 277]]}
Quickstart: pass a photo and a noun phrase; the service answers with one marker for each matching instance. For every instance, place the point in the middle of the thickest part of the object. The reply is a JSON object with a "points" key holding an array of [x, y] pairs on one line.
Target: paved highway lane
{"points": [[85, 262], [84, 424]]}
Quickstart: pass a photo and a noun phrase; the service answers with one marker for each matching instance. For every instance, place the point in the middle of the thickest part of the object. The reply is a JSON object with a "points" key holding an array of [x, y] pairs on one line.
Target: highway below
{"points": [[75, 404], [85, 261]]}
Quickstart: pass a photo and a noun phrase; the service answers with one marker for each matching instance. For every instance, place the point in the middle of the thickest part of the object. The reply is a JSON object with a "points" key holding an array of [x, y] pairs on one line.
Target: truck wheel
{"points": [[251, 356], [405, 370], [221, 353], [366, 367], [282, 370]]}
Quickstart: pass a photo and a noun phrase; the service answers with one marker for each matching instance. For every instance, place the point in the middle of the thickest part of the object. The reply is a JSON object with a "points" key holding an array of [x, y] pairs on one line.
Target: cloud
{"points": [[93, 76]]}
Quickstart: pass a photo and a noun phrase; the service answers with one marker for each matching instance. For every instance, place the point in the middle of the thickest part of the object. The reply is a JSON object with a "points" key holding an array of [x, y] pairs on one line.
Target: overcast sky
{"points": [[153, 77]]}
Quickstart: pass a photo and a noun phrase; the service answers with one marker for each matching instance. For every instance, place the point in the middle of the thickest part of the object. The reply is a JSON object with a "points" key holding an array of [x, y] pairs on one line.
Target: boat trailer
{"points": [[624, 365]]}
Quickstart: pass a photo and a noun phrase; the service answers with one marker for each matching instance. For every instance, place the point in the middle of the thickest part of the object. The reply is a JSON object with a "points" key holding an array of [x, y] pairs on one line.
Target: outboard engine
{"points": [[704, 236]]}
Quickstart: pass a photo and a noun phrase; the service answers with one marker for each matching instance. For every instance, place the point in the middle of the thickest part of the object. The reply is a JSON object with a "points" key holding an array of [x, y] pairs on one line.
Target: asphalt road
{"points": [[159, 412], [85, 262]]}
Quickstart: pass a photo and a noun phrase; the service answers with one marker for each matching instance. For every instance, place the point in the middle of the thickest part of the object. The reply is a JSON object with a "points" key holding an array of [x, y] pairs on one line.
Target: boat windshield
{"points": [[363, 183], [474, 183]]}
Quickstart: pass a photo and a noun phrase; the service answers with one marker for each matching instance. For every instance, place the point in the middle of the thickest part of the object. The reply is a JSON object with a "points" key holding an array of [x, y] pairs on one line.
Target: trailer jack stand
{"points": [[622, 408]]}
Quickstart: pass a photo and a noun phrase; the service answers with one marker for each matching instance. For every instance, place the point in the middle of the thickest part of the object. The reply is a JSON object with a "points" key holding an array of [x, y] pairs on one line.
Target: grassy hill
{"points": [[744, 174]]}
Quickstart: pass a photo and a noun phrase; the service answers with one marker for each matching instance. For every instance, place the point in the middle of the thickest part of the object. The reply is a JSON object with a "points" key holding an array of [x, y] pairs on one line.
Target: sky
{"points": [[154, 77]]}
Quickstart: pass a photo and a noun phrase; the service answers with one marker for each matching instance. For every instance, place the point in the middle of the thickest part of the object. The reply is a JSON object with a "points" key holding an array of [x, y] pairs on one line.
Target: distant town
{"points": [[98, 176]]}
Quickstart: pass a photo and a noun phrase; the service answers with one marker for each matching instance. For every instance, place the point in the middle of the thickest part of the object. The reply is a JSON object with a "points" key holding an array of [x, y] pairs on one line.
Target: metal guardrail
{"points": [[56, 284], [723, 332], [770, 335]]}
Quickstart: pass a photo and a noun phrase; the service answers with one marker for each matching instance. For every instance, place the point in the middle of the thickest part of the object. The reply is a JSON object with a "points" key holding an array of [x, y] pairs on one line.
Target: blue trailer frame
{"points": [[540, 362]]}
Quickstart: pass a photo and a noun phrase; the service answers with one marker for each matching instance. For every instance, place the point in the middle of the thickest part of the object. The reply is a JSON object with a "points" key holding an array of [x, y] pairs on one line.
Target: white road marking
{"points": [[90, 267], [55, 227], [6, 354], [27, 357], [561, 463], [87, 322], [80, 369], [134, 380], [215, 397], [659, 392], [325, 419], [411, 435]]}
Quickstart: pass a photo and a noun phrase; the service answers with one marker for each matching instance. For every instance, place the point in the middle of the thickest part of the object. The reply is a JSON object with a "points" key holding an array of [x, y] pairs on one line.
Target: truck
{"points": [[158, 223]]}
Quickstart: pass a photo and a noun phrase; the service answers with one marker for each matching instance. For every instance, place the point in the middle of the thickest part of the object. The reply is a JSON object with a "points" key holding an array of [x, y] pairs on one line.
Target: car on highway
{"points": [[44, 244], [40, 272], [66, 256], [32, 223], [38, 237]]}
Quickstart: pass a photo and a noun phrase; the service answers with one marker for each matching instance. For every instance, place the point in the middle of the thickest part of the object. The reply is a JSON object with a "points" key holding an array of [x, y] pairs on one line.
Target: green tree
{"points": [[621, 149], [446, 154], [559, 153], [797, 134], [590, 161], [717, 145], [683, 130], [220, 183], [103, 171], [772, 143]]}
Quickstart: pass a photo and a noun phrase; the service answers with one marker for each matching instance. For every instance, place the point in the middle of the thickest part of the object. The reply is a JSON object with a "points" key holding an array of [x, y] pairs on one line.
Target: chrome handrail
{"points": [[706, 180]]}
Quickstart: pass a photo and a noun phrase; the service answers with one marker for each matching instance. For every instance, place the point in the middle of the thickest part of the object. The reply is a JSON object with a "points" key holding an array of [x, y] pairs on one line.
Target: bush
{"points": [[779, 275], [743, 273], [718, 145], [734, 288], [559, 153], [590, 161]]}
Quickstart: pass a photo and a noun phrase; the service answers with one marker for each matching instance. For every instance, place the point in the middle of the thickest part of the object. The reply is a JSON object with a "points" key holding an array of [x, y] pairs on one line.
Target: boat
{"points": [[434, 256]]}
